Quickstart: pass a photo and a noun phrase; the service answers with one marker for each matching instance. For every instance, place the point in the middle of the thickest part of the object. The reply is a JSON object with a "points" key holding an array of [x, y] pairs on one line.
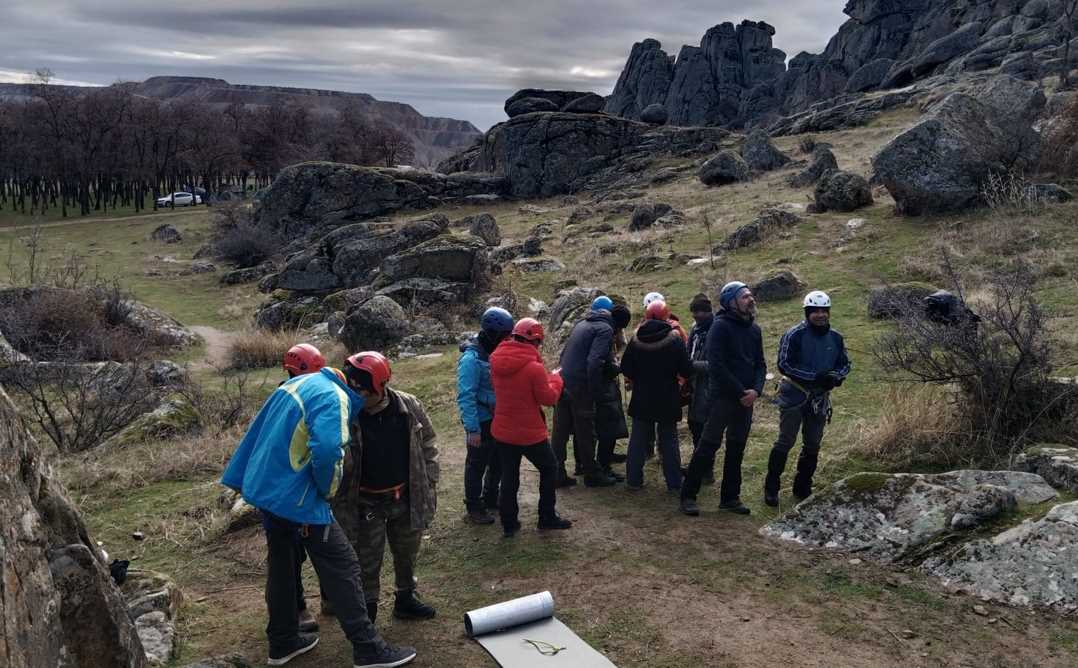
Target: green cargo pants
{"points": [[368, 524]]}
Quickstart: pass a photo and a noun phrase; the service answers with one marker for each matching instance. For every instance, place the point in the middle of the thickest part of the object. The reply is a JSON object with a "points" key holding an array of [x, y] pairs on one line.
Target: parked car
{"points": [[179, 199]]}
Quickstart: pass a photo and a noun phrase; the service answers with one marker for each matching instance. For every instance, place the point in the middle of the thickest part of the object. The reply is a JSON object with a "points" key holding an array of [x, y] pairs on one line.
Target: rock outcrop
{"points": [[53, 572], [1029, 565], [760, 154], [1057, 464], [841, 191], [889, 517], [821, 162], [326, 195], [766, 223], [778, 286], [736, 77], [530, 100], [723, 168]]}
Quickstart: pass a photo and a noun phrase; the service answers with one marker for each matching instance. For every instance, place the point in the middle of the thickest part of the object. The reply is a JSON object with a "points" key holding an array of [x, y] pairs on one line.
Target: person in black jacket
{"points": [[587, 353], [813, 361], [736, 370], [703, 317], [653, 361], [609, 411]]}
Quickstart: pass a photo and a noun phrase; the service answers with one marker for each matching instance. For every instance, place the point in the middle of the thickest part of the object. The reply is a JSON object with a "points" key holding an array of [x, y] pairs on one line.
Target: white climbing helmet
{"points": [[817, 299], [653, 297]]}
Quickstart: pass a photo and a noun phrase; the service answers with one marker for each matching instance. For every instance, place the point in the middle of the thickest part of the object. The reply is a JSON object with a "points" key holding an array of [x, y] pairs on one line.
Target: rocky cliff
{"points": [[736, 77]]}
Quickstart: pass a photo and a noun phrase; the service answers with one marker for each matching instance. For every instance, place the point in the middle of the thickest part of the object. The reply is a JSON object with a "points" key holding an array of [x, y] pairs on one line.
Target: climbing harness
{"points": [[820, 403]]}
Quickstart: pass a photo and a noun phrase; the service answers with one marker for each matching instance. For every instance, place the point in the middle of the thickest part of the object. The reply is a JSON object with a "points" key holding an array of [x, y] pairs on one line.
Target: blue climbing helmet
{"points": [[496, 320], [729, 293], [602, 303]]}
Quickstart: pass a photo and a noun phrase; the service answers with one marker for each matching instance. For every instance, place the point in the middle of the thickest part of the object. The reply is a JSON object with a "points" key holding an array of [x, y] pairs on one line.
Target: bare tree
{"points": [[391, 146]]}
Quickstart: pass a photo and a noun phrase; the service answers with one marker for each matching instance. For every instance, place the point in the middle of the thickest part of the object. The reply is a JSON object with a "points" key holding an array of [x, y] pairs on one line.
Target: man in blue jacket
{"points": [[287, 465], [736, 371], [813, 361], [475, 398], [587, 353]]}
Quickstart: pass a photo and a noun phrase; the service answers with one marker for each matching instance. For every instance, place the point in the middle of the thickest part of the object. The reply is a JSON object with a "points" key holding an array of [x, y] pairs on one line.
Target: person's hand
{"points": [[836, 379], [825, 380], [749, 398], [472, 439]]}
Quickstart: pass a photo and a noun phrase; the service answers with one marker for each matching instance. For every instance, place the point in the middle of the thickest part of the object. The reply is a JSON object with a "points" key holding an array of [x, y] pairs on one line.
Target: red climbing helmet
{"points": [[529, 329], [303, 358], [374, 364], [657, 310]]}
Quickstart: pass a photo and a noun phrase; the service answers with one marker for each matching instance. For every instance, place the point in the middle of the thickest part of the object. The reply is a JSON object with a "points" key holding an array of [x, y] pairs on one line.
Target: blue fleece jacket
{"points": [[475, 392], [289, 462], [805, 352]]}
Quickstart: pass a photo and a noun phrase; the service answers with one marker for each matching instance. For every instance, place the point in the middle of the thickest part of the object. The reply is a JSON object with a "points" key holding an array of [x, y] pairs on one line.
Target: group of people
{"points": [[340, 463]]}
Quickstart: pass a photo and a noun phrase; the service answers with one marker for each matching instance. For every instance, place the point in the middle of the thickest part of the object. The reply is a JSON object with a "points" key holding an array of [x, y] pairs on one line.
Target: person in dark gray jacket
{"points": [[584, 361], [813, 361], [736, 370], [703, 317]]}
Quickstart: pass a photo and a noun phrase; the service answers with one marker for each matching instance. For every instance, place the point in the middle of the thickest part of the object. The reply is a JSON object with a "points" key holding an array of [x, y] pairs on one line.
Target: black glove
{"points": [[836, 379], [825, 380]]}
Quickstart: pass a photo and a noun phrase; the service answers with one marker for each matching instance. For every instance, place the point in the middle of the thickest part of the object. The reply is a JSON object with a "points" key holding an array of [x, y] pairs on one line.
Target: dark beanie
{"points": [[621, 316], [700, 303]]}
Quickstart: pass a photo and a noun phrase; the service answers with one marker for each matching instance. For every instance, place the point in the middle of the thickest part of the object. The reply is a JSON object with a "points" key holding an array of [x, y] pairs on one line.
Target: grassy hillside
{"points": [[633, 577]]}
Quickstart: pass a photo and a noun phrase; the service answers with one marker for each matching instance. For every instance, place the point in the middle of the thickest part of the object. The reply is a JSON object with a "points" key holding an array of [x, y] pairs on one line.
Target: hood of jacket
{"points": [[653, 331], [512, 356], [602, 315]]}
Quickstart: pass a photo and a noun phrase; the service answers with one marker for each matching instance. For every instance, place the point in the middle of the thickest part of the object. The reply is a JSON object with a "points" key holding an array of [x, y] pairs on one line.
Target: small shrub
{"points": [[261, 349], [918, 431], [1011, 193], [239, 240]]}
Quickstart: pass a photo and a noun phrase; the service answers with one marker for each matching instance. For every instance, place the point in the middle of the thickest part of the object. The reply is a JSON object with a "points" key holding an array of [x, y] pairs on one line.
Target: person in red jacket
{"points": [[522, 386]]}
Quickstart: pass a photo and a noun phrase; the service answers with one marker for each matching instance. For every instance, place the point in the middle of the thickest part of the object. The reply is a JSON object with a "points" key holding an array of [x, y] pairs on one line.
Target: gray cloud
{"points": [[459, 59]]}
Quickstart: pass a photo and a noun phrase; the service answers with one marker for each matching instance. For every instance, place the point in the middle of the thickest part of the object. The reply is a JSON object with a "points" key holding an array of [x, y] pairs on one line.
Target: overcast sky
{"points": [[456, 58]]}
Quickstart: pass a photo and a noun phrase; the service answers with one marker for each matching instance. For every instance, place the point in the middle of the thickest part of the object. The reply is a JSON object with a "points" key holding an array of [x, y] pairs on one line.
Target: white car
{"points": [[179, 199]]}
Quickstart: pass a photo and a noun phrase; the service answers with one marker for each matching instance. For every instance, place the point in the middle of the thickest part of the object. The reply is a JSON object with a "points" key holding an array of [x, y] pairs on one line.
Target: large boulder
{"points": [[290, 314], [842, 191], [486, 228], [450, 258], [54, 573], [722, 168], [779, 286], [550, 154], [821, 162], [869, 76], [941, 163], [153, 601], [1057, 464], [896, 300], [888, 517], [588, 103], [760, 154], [173, 417], [1030, 564], [375, 324], [558, 100], [247, 274], [646, 213], [418, 290], [766, 223], [529, 105]]}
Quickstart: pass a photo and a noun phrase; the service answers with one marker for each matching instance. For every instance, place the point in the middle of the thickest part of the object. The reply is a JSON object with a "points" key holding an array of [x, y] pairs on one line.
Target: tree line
{"points": [[93, 150]]}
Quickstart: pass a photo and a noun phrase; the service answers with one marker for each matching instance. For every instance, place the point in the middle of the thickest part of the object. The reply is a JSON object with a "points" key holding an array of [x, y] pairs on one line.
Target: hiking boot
{"points": [[408, 606], [598, 479], [387, 657], [307, 622], [510, 530], [303, 643], [618, 458], [689, 507], [771, 498], [555, 522], [479, 517], [735, 506], [613, 475]]}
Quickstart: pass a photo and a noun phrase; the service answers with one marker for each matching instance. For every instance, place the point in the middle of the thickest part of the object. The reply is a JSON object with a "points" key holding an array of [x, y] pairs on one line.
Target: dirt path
{"points": [[83, 221], [217, 343]]}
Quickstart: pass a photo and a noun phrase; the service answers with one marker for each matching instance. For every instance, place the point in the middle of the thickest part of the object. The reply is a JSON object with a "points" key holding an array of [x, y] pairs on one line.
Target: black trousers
{"points": [[811, 426], [542, 458], [338, 572], [574, 415], [482, 472], [730, 419]]}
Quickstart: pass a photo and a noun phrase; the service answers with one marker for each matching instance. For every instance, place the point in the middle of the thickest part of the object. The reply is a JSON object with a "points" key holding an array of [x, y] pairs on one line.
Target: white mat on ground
{"points": [[505, 629]]}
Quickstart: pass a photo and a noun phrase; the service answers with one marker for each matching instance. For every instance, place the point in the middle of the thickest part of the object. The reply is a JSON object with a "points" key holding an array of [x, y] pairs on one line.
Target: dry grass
{"points": [[918, 431], [263, 349]]}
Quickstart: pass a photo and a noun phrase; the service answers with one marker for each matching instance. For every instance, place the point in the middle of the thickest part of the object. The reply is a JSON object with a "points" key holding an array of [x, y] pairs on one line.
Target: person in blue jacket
{"points": [[288, 465], [475, 399], [813, 361]]}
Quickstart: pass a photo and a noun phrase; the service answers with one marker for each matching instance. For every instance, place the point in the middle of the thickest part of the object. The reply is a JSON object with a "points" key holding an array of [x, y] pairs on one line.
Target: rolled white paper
{"points": [[505, 615]]}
